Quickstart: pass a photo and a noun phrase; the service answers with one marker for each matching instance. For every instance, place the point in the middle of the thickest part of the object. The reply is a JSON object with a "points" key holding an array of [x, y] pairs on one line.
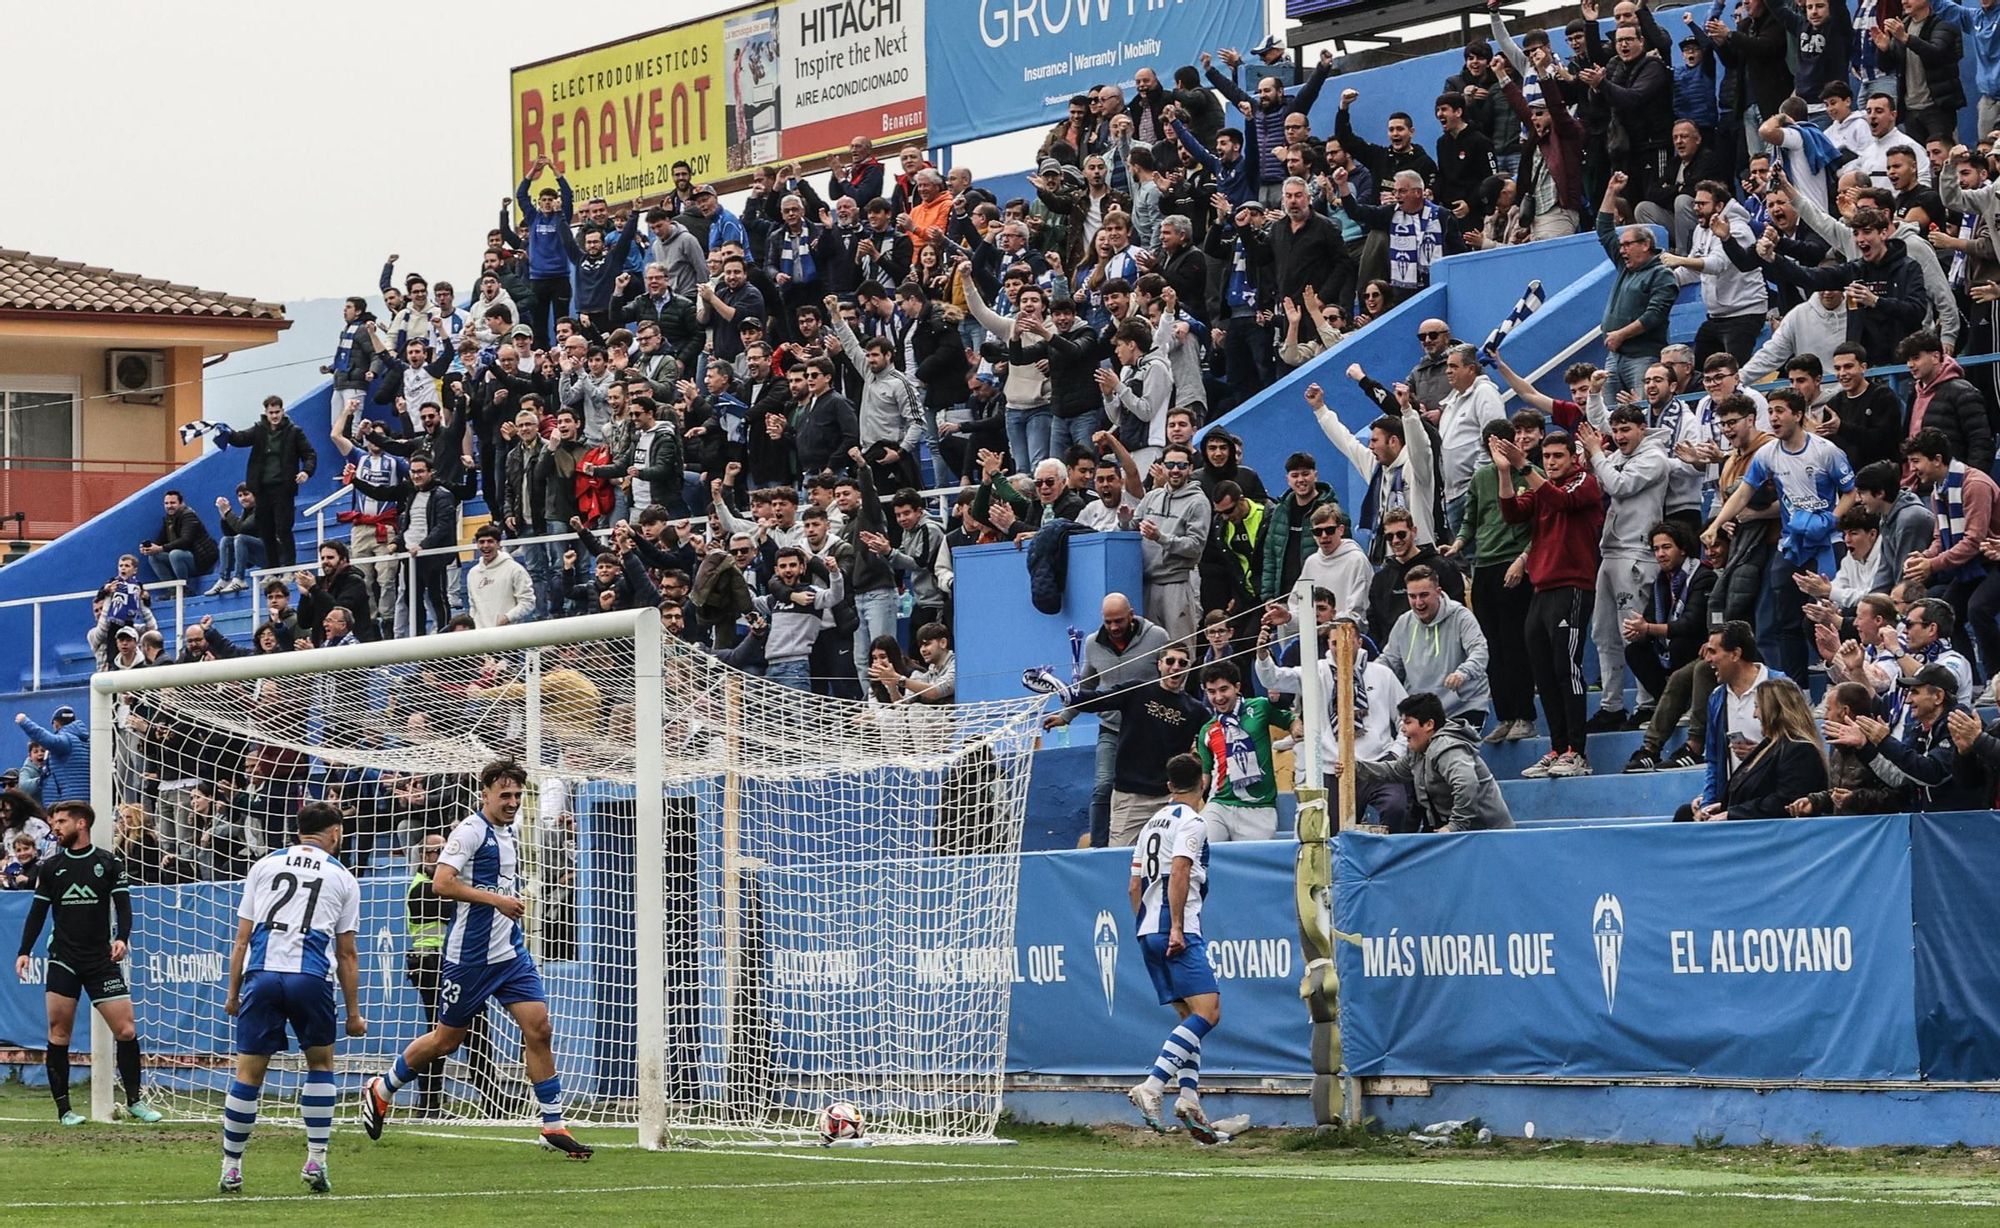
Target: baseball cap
{"points": [[521, 330], [1049, 166], [127, 633], [703, 189], [1271, 43], [1931, 675], [750, 324], [64, 713]]}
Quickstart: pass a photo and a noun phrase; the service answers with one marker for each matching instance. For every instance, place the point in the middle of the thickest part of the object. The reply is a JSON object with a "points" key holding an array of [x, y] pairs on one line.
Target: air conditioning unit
{"points": [[137, 377]]}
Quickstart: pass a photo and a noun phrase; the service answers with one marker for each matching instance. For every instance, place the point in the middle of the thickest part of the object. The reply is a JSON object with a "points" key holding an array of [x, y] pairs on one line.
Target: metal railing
{"points": [[405, 575], [35, 604]]}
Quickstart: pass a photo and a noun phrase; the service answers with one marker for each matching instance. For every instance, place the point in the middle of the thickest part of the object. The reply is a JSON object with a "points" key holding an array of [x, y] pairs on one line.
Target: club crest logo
{"points": [[1104, 941], [1607, 930]]}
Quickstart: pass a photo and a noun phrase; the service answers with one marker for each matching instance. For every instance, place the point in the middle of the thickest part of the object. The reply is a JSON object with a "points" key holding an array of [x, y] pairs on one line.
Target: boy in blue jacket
{"points": [[552, 249]]}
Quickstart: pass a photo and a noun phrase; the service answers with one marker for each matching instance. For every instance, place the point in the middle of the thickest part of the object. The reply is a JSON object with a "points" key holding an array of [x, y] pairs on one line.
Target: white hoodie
{"points": [[1725, 289], [1346, 573], [499, 590], [1809, 328]]}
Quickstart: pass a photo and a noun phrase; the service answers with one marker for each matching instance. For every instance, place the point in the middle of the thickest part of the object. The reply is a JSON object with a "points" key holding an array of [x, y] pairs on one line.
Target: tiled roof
{"points": [[42, 283]]}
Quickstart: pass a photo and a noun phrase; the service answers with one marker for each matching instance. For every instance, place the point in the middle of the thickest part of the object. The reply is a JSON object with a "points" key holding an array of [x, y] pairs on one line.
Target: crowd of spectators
{"points": [[732, 415]]}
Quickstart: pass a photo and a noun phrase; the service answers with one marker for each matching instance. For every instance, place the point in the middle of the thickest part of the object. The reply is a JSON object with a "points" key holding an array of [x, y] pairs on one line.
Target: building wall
{"points": [[113, 429]]}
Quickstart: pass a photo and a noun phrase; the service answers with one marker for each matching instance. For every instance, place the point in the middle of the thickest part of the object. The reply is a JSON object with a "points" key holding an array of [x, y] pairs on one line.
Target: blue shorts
{"points": [[273, 999], [1181, 976], [463, 989]]}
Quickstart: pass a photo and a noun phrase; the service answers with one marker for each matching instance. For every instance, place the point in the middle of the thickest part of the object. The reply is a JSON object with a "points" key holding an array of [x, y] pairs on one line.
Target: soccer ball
{"points": [[839, 1120]]}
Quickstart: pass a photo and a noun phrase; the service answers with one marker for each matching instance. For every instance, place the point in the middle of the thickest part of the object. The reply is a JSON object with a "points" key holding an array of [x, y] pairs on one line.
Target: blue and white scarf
{"points": [[1415, 240], [730, 414], [1528, 304], [1241, 291], [343, 355], [191, 431], [798, 256], [1951, 518], [1670, 594], [1967, 226]]}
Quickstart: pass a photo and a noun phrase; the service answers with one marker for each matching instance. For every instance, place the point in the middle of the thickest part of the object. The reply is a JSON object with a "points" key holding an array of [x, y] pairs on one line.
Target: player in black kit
{"points": [[85, 888]]}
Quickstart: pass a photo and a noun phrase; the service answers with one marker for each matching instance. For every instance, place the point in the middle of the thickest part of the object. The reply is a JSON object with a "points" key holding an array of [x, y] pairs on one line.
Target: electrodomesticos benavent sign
{"points": [[760, 85]]}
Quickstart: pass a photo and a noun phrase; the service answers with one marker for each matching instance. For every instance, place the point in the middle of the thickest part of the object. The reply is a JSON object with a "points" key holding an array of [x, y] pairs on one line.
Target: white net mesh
{"points": [[836, 915]]}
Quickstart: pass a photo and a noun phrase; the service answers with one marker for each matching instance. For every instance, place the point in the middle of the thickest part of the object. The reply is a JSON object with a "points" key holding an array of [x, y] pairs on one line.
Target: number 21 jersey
{"points": [[298, 899]]}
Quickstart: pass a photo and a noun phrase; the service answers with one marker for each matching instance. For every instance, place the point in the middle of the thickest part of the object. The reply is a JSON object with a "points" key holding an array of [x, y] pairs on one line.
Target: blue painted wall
{"points": [[993, 613], [88, 555]]}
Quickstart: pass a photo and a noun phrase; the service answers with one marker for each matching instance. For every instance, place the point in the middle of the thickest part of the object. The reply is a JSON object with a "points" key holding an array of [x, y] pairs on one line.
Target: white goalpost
{"points": [[745, 901]]}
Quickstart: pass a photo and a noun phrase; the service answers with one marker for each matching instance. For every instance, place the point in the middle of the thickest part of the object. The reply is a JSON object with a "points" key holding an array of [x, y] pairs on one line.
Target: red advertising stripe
{"points": [[889, 121]]}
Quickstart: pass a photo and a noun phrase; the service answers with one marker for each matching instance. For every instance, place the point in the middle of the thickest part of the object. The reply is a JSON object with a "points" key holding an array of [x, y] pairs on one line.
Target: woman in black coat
{"points": [[1787, 764]]}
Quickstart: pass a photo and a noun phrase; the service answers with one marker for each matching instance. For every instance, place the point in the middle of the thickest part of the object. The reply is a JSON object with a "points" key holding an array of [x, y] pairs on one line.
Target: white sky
{"points": [[281, 150]]}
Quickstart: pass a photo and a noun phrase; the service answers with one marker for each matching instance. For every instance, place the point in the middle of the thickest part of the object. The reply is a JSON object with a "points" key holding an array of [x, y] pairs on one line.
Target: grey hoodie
{"points": [[1450, 779], [1907, 527], [1636, 485], [892, 404], [1424, 654], [1107, 669]]}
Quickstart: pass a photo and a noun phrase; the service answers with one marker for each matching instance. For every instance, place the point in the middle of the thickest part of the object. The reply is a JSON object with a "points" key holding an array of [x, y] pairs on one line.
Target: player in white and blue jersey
{"points": [[294, 937], [485, 958], [1169, 882]]}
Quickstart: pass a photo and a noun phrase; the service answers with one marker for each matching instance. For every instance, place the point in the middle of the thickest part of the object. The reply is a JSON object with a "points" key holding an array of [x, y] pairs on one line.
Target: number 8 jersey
{"points": [[1175, 831], [298, 899]]}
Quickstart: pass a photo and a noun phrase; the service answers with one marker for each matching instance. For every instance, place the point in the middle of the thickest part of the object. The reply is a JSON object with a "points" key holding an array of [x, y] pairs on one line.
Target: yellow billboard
{"points": [[755, 86]]}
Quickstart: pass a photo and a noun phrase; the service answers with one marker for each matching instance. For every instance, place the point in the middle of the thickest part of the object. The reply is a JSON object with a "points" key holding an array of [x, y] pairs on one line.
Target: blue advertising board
{"points": [[1003, 65], [1773, 950], [1083, 1004]]}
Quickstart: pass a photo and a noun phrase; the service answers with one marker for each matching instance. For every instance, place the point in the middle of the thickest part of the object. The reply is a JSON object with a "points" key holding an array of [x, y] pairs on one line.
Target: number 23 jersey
{"points": [[298, 899], [1175, 831]]}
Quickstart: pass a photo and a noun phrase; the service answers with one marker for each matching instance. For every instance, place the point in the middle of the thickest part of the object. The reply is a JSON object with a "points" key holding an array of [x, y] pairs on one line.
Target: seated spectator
{"points": [[1924, 757], [1447, 779], [1665, 630], [1787, 764], [182, 549], [1851, 787], [242, 549]]}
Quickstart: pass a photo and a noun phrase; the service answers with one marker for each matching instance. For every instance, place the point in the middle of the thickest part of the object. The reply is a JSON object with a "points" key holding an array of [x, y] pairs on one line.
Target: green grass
{"points": [[1050, 1178]]}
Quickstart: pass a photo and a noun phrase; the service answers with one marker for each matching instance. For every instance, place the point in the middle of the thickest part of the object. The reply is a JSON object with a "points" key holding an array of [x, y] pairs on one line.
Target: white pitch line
{"points": [[574, 1191], [1448, 1182]]}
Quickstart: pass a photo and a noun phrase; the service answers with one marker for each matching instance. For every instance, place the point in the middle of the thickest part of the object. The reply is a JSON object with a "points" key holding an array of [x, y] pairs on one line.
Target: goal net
{"points": [[745, 901]]}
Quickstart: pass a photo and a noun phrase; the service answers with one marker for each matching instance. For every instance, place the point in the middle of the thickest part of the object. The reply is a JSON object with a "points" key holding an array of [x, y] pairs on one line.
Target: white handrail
{"points": [[88, 594]]}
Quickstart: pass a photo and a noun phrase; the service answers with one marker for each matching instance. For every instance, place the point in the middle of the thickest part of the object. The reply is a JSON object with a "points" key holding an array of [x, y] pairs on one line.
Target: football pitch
{"points": [[440, 1176]]}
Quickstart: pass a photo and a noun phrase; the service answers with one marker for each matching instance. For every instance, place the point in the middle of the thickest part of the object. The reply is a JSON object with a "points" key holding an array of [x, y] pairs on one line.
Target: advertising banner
{"points": [[1083, 1003], [1772, 950], [1958, 964], [1004, 65], [760, 85]]}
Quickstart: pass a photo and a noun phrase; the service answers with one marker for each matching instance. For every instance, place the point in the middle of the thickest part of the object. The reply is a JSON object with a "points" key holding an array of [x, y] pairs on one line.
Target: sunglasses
{"points": [[1326, 531], [1047, 481], [1431, 335], [1397, 536], [1173, 464]]}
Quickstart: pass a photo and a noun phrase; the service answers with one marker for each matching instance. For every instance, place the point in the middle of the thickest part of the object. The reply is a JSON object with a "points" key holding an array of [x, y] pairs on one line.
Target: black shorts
{"points": [[101, 980]]}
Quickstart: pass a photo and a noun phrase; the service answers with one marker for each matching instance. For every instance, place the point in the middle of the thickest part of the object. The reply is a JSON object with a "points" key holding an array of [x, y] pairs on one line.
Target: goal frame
{"points": [[642, 627]]}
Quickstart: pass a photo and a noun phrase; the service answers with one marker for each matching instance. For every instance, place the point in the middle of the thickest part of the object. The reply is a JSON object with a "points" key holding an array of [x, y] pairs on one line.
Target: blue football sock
{"points": [[239, 1117], [399, 1074], [316, 1107], [548, 1095]]}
